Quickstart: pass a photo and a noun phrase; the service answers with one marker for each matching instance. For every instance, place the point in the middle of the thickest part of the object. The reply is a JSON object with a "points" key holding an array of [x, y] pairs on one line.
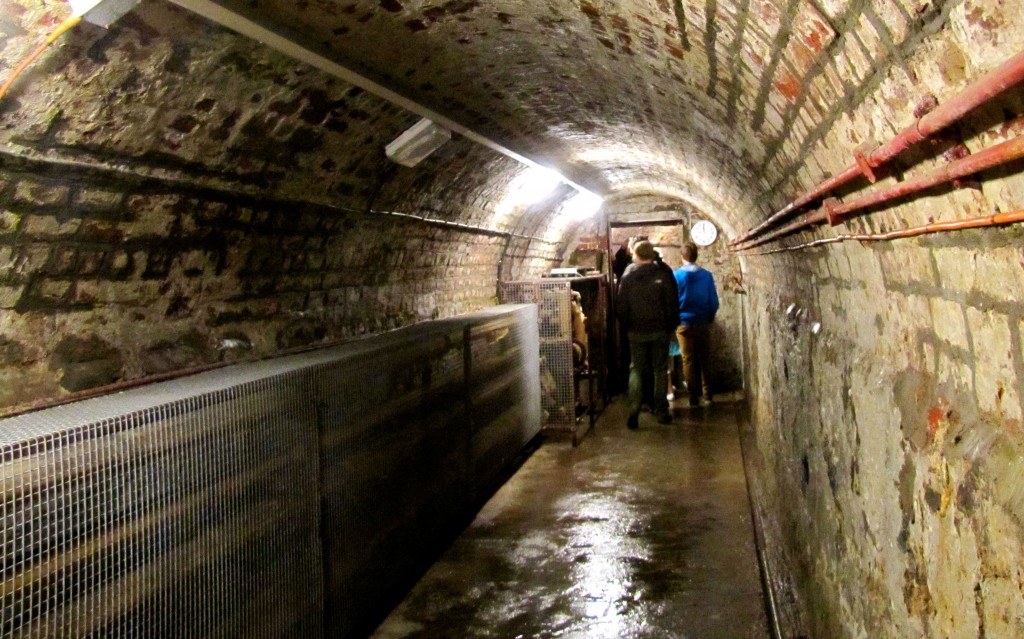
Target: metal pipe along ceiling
{"points": [[246, 21], [999, 219]]}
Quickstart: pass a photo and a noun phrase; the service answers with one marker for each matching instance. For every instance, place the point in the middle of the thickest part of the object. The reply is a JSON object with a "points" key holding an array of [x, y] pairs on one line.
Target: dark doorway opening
{"points": [[667, 236]]}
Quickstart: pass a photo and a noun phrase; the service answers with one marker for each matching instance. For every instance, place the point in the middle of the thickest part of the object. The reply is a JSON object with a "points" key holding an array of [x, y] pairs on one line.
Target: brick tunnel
{"points": [[191, 185]]}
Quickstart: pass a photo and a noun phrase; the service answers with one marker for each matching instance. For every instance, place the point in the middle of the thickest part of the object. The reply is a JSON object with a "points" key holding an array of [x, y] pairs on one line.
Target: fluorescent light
{"points": [[416, 143], [529, 187], [101, 12], [581, 206], [535, 184]]}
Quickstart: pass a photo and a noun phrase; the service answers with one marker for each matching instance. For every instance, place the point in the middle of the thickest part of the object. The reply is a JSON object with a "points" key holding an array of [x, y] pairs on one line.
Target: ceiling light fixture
{"points": [[581, 206], [101, 12], [534, 184], [529, 187], [417, 142], [249, 19]]}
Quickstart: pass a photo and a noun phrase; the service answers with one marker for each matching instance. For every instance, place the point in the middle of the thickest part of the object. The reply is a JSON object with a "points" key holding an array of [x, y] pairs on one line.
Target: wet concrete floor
{"points": [[632, 535]]}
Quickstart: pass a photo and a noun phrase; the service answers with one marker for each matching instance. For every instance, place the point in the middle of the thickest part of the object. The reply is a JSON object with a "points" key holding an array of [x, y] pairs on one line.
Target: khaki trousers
{"points": [[695, 342]]}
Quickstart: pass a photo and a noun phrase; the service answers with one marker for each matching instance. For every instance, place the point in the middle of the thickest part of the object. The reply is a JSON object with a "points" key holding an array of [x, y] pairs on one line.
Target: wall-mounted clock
{"points": [[703, 233]]}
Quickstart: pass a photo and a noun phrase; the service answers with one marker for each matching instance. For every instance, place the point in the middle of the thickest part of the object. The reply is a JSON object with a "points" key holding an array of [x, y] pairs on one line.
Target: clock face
{"points": [[703, 233]]}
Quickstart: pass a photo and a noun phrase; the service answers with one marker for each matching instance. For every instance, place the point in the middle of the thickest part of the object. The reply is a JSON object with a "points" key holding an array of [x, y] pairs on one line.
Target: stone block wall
{"points": [[891, 442], [120, 281], [886, 384]]}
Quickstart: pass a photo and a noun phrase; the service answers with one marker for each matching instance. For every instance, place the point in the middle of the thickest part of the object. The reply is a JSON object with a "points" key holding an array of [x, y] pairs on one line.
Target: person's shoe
{"points": [[633, 422], [665, 418]]}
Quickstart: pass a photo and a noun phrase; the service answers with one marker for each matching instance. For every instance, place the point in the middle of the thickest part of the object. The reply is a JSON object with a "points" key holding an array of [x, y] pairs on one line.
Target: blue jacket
{"points": [[698, 299]]}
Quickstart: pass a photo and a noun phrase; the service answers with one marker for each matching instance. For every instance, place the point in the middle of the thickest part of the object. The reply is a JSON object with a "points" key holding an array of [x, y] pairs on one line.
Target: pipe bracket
{"points": [[830, 205], [860, 156]]}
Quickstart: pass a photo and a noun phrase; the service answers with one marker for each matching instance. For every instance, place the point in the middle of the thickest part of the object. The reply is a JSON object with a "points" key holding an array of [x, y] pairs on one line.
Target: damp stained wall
{"points": [[174, 195]]}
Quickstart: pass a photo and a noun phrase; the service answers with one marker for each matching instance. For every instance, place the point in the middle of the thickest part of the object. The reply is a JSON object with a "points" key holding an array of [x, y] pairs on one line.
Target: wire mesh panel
{"points": [[409, 445], [290, 498], [395, 456], [502, 379], [144, 522], [553, 298]]}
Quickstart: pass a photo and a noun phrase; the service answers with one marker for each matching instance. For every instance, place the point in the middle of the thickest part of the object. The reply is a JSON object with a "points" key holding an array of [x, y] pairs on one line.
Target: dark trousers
{"points": [[695, 342], [648, 353]]}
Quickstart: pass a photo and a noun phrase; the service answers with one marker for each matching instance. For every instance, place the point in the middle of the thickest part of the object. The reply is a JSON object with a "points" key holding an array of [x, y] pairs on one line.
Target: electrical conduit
{"points": [[999, 219]]}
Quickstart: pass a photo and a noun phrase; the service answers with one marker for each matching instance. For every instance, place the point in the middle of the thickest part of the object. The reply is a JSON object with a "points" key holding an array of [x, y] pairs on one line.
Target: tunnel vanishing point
{"points": [[192, 183]]}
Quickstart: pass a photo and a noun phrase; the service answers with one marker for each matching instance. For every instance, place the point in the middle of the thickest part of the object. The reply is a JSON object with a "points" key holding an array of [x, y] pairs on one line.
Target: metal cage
{"points": [[560, 388]]}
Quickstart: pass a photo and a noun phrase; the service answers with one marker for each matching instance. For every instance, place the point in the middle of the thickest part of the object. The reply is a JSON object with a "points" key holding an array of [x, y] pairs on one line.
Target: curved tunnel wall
{"points": [[174, 195], [171, 202], [886, 405]]}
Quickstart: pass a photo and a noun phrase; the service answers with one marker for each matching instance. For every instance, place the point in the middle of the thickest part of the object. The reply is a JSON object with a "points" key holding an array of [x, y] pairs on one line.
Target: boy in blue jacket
{"points": [[698, 304]]}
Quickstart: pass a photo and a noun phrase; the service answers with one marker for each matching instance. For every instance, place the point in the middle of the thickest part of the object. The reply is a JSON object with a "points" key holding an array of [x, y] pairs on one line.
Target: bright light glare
{"points": [[530, 186], [581, 206], [535, 184]]}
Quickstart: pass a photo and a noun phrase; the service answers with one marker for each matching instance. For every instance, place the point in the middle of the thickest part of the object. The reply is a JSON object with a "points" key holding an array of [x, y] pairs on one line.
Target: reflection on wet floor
{"points": [[634, 534]]}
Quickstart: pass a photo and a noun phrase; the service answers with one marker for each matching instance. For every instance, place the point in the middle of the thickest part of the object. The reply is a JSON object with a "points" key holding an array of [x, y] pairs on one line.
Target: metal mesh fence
{"points": [[553, 298], [504, 410], [410, 452], [246, 502], [127, 525]]}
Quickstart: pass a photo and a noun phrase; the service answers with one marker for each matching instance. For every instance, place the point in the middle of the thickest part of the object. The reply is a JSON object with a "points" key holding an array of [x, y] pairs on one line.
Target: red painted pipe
{"points": [[835, 213], [979, 92], [986, 159], [999, 219], [831, 183], [813, 218]]}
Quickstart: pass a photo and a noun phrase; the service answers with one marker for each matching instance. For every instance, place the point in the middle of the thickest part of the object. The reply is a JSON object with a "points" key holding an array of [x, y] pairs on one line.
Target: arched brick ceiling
{"points": [[634, 95], [692, 97], [732, 107]]}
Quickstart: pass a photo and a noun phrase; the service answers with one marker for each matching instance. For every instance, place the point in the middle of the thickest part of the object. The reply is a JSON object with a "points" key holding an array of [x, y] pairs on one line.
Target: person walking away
{"points": [[623, 260], [647, 306], [698, 304], [647, 379]]}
